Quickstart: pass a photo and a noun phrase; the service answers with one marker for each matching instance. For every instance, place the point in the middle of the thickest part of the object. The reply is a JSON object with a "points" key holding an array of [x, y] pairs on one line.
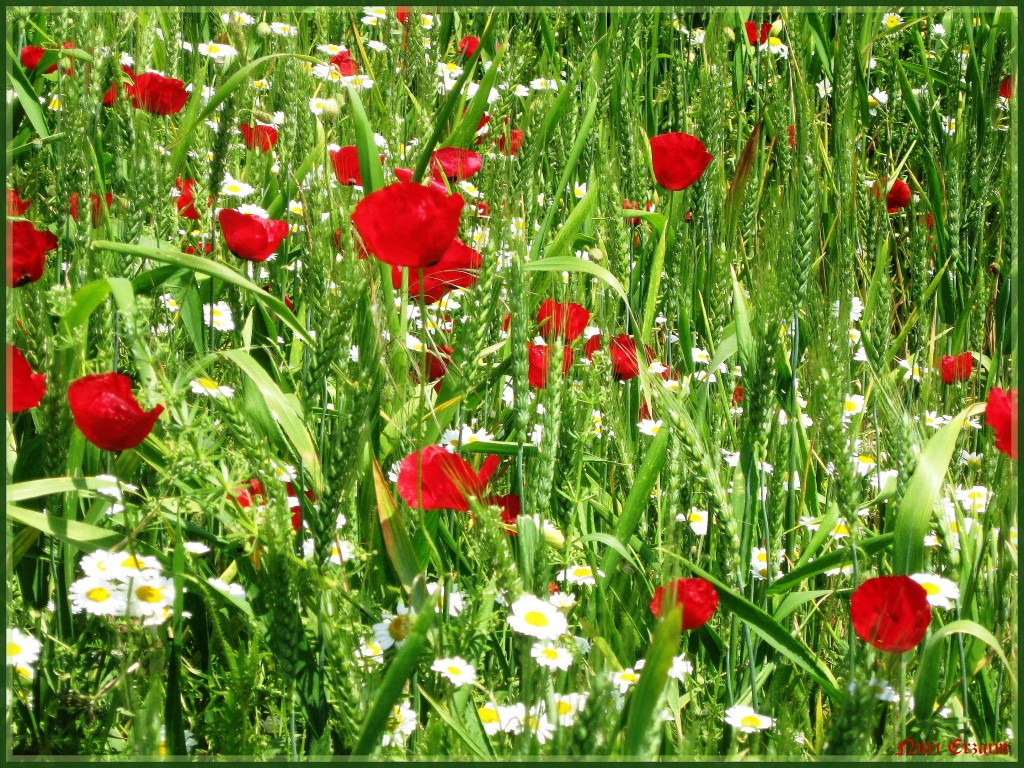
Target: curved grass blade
{"points": [[652, 681]]}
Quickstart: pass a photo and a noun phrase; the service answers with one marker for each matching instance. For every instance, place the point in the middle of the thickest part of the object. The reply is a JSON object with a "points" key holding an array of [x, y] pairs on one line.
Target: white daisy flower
{"points": [[456, 670], [534, 617], [942, 593], [22, 649], [747, 720], [217, 51], [551, 656], [210, 388]]}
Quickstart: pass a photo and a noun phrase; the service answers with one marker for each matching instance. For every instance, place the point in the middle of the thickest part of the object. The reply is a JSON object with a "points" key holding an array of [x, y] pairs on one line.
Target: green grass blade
{"points": [[642, 710]]}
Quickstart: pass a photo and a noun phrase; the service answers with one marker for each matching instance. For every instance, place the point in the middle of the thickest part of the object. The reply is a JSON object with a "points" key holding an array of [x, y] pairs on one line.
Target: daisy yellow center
{"points": [[850, 406], [213, 48], [630, 677], [931, 589], [13, 649], [234, 188], [581, 572], [761, 557], [840, 530], [132, 562], [536, 619], [696, 517], [751, 721], [564, 708], [206, 383], [487, 715], [98, 595], [398, 628], [872, 101], [655, 429], [892, 22], [774, 42], [550, 653], [452, 670], [865, 460], [148, 594]]}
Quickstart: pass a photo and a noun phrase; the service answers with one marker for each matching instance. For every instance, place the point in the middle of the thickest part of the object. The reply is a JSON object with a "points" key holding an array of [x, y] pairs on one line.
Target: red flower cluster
{"points": [[408, 225], [258, 136], [434, 478], [890, 612], [26, 252], [1001, 415], [26, 388], [956, 368], [107, 413], [251, 237], [698, 598], [679, 159]]}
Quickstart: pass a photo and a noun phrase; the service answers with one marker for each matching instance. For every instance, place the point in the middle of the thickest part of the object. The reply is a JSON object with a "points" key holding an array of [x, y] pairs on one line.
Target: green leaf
{"points": [[34, 489], [915, 513], [286, 412], [369, 158], [654, 286], [638, 500], [744, 336], [819, 565], [777, 636], [573, 264], [929, 669], [396, 539], [213, 269], [465, 132], [657, 662], [391, 687], [82, 535], [26, 94], [475, 744]]}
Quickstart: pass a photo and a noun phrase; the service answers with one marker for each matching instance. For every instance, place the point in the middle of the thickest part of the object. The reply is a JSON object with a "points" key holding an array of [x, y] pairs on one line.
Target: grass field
{"points": [[483, 383]]}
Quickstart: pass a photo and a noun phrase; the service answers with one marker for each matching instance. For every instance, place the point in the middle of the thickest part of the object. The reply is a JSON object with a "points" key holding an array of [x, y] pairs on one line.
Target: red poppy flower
{"points": [[593, 345], [402, 14], [346, 165], [343, 61], [629, 205], [157, 94], [1006, 86], [404, 174], [287, 299], [295, 507], [185, 202], [459, 267], [513, 144], [956, 367], [468, 45], [791, 131], [754, 36], [26, 252], [251, 237], [206, 247], [25, 388], [556, 319], [246, 495], [454, 164], [510, 508], [698, 598], [258, 136], [482, 208], [679, 159], [15, 205], [623, 353], [31, 55], [433, 478], [896, 198], [408, 225], [738, 394], [437, 365], [540, 363], [107, 412], [890, 612], [96, 205], [110, 97], [1001, 415]]}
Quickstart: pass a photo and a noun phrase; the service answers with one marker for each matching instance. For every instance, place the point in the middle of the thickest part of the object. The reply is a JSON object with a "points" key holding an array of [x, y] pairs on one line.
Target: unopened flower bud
{"points": [[263, 29]]}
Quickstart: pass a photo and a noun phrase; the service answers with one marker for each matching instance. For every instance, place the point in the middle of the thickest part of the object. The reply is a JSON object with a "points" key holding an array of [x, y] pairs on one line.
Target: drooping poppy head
{"points": [[468, 45], [26, 388], [31, 55], [157, 94], [756, 36], [679, 159], [1006, 86], [539, 356], [434, 478], [249, 236], [459, 267], [258, 136], [15, 205], [408, 225], [698, 598], [186, 202], [95, 205], [346, 165], [896, 198], [343, 61], [107, 413], [890, 612], [956, 368], [26, 252], [454, 163], [1001, 415], [567, 320], [513, 144]]}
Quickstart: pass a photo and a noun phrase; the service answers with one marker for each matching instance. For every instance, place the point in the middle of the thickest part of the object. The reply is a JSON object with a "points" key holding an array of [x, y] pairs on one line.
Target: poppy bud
{"points": [[331, 107], [263, 29]]}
